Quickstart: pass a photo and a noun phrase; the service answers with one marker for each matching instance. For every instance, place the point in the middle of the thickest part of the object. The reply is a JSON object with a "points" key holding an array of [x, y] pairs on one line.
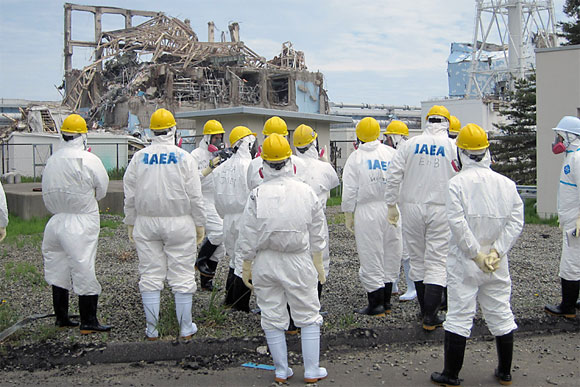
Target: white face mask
{"points": [[437, 127]]}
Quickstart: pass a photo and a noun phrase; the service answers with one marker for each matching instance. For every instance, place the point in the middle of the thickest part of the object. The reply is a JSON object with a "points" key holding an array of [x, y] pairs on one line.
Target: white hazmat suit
{"points": [[321, 177], [163, 201], [3, 212], [282, 223], [72, 183], [214, 225], [485, 212], [417, 181], [569, 212], [378, 243]]}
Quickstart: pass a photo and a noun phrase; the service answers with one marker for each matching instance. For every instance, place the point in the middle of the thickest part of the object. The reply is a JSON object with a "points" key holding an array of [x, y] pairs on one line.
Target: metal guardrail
{"points": [[527, 191]]}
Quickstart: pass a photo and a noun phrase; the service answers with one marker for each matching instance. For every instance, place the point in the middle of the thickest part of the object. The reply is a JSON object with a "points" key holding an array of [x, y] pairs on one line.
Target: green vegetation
{"points": [[531, 216], [21, 232], [30, 179], [116, 173], [347, 321], [110, 223], [168, 325], [7, 315], [335, 197], [214, 314], [23, 272]]}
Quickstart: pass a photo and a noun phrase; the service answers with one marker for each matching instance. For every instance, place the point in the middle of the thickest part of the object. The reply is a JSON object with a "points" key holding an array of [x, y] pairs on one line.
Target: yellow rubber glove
{"points": [[247, 274], [577, 227], [393, 215], [349, 221], [213, 163], [2, 233], [130, 232], [480, 261], [318, 264], [200, 234], [492, 260]]}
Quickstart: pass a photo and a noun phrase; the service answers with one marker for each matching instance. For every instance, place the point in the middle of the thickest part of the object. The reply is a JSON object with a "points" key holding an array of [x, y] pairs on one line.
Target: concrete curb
{"points": [[35, 357]]}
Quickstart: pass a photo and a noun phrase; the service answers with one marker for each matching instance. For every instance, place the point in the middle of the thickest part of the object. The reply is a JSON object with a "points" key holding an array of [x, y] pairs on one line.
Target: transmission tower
{"points": [[518, 27]]}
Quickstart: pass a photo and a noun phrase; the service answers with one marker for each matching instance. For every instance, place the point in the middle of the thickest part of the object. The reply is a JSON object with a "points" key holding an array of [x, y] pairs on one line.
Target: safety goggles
{"points": [[435, 119]]}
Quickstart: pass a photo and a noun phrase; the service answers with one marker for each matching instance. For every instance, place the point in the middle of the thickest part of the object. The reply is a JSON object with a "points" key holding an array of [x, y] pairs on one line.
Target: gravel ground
{"points": [[533, 263]]}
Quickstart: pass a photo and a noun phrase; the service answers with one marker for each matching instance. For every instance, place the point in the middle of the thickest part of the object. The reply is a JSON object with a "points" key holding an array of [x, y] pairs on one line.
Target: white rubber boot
{"points": [[183, 311], [151, 302], [311, 354], [411, 293], [276, 339]]}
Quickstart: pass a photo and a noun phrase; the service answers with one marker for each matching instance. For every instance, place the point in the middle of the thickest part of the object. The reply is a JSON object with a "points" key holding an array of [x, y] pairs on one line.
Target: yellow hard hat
{"points": [[161, 119], [276, 148], [439, 110], [238, 133], [304, 135], [397, 127], [368, 129], [213, 127], [74, 124], [472, 137], [454, 124], [275, 125]]}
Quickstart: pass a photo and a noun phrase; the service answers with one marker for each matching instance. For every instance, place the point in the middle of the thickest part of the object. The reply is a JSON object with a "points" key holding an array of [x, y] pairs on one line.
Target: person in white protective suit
{"points": [[272, 125], [209, 154], [165, 219], [378, 242], [231, 195], [454, 127], [319, 175], [72, 183], [280, 243], [255, 177], [568, 140], [486, 216], [417, 181], [396, 134], [3, 214]]}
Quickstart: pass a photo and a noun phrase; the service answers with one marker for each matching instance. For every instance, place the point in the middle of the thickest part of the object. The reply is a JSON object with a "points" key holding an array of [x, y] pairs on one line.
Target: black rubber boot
{"points": [[206, 280], [505, 350], [376, 305], [89, 322], [454, 347], [420, 288], [319, 291], [578, 304], [203, 258], [388, 292], [433, 294], [60, 304], [567, 307], [241, 295], [230, 290], [444, 300]]}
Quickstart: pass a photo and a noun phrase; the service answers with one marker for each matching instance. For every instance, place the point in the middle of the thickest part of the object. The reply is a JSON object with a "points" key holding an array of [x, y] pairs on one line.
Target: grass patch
{"points": [[337, 218], [110, 223], [168, 325], [116, 173], [30, 179], [18, 227], [335, 197], [215, 314], [23, 272], [531, 216], [8, 316], [347, 321]]}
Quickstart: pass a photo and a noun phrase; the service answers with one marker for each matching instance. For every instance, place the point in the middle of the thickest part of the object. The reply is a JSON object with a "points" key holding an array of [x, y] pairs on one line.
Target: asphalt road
{"points": [[539, 360]]}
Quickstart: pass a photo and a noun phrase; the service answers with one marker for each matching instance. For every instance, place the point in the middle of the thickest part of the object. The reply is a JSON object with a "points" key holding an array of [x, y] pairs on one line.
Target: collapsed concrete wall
{"points": [[182, 73]]}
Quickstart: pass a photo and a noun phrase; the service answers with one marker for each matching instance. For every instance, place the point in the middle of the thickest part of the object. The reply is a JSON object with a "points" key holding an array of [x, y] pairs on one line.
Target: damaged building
{"points": [[161, 62]]}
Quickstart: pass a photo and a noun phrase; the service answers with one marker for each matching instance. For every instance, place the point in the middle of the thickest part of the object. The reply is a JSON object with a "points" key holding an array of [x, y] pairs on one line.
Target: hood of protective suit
{"points": [[437, 128], [467, 162], [79, 142], [574, 145], [244, 145], [165, 139], [271, 173], [311, 153], [369, 146]]}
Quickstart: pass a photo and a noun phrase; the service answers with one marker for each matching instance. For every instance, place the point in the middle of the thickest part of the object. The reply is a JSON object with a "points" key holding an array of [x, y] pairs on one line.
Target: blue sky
{"points": [[381, 52]]}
